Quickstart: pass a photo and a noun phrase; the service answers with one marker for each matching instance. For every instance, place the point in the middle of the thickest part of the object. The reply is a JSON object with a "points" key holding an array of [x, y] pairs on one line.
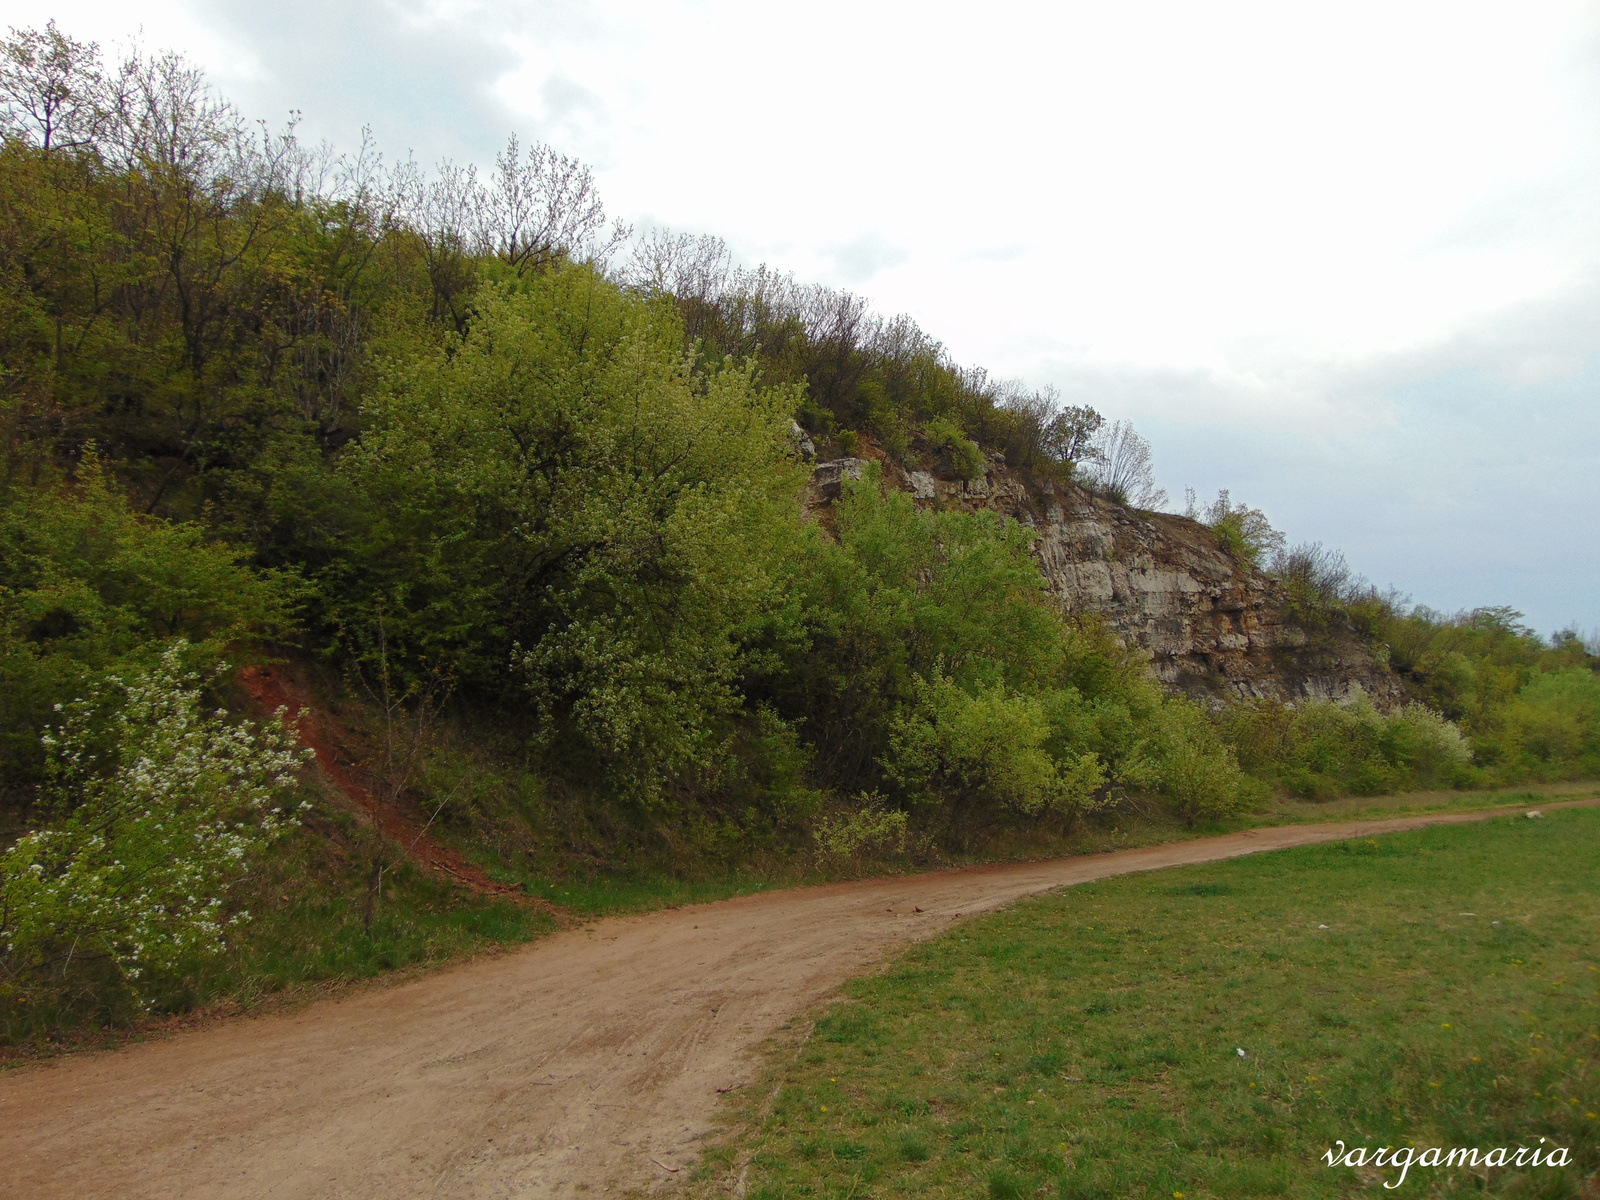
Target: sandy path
{"points": [[592, 1057]]}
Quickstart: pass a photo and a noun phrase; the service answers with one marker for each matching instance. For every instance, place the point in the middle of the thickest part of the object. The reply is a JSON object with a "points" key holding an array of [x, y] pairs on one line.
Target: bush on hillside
{"points": [[91, 587], [1325, 748], [964, 457], [159, 809], [1180, 758], [1245, 533], [863, 827], [986, 751], [1550, 730]]}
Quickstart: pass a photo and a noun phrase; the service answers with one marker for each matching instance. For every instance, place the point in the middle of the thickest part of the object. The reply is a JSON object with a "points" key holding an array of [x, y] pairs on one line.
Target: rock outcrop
{"points": [[1215, 629]]}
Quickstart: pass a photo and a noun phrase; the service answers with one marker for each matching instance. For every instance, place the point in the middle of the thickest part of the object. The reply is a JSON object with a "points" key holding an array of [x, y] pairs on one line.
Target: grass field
{"points": [[1436, 988]]}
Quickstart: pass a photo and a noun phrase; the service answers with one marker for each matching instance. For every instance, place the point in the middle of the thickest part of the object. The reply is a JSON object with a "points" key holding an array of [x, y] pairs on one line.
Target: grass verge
{"points": [[594, 893], [1433, 988], [308, 937]]}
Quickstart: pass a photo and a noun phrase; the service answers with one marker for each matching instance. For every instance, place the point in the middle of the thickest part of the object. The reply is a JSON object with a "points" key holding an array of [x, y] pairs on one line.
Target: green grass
{"points": [[1086, 1043], [1294, 811], [606, 893]]}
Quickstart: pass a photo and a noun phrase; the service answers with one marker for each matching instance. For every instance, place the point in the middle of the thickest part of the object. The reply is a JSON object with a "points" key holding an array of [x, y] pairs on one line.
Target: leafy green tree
{"points": [[563, 502], [1247, 535]]}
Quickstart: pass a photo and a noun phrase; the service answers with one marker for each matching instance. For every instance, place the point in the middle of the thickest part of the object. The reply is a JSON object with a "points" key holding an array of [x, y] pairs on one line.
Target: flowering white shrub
{"points": [[156, 827]]}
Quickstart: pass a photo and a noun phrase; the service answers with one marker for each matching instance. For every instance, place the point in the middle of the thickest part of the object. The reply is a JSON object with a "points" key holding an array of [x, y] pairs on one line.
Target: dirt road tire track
{"points": [[594, 1056]]}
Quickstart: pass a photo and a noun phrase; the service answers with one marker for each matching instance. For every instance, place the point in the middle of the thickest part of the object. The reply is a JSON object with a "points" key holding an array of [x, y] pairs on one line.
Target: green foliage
{"points": [[458, 448], [1087, 1043], [965, 458], [152, 834], [1180, 758], [868, 825], [90, 587], [1323, 748], [562, 493], [987, 750], [904, 596], [1551, 730], [1524, 704], [930, 662], [1242, 531], [861, 371]]}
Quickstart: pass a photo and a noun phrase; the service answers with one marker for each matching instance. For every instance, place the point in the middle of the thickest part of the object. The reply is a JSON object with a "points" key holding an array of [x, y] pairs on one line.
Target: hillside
{"points": [[522, 499]]}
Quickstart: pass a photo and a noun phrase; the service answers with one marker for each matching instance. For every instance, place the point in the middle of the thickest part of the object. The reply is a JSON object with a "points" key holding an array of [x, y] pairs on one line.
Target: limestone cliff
{"points": [[1214, 629]]}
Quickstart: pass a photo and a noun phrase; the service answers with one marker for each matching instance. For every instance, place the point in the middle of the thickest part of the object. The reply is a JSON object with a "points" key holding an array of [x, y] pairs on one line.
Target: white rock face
{"points": [[828, 478], [1213, 628], [803, 445]]}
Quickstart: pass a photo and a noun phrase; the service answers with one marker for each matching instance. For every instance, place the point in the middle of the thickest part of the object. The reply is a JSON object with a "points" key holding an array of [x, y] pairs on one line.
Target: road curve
{"points": [[592, 1057]]}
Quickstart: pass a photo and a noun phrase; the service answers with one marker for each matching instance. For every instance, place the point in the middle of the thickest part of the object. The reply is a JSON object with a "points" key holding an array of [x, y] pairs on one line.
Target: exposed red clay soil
{"points": [[274, 690], [591, 1058]]}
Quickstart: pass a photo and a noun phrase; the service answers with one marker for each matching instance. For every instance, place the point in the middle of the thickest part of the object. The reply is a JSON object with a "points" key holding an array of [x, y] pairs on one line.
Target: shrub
{"points": [[1182, 760], [564, 493], [1323, 748], [1244, 532], [90, 587], [1315, 580], [1551, 728], [965, 457], [986, 750], [153, 832], [841, 837]]}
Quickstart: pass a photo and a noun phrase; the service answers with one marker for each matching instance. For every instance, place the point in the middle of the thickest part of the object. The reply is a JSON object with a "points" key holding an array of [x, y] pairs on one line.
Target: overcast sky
{"points": [[1343, 259]]}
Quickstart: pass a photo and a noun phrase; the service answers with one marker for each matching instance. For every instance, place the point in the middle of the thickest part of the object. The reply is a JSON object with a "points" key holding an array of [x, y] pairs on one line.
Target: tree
{"points": [[564, 493], [1122, 467], [542, 207], [51, 88], [1245, 533]]}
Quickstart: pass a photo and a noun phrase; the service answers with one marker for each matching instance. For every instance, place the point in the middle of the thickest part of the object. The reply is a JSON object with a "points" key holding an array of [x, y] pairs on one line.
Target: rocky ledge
{"points": [[1215, 629]]}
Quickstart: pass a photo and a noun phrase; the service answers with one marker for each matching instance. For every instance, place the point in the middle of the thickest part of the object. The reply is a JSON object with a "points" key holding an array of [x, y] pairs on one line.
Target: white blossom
{"points": [[159, 828]]}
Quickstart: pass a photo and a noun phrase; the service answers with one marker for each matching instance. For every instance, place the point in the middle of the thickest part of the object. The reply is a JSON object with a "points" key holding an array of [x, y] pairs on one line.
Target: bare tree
{"points": [[540, 207], [161, 115], [1311, 567], [407, 714], [689, 268], [1122, 466], [51, 88]]}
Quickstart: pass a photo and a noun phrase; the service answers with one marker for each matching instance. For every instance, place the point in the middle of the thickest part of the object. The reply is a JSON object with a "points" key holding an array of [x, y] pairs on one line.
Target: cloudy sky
{"points": [[1343, 259]]}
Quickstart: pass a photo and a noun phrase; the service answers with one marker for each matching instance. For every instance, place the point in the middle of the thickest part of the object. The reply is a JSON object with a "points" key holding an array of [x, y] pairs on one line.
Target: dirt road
{"points": [[593, 1057]]}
